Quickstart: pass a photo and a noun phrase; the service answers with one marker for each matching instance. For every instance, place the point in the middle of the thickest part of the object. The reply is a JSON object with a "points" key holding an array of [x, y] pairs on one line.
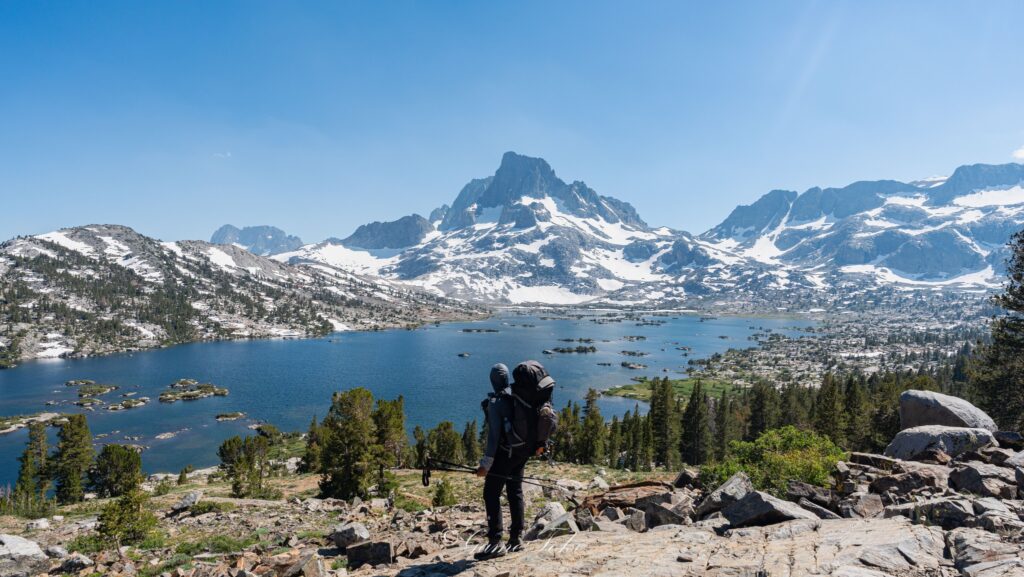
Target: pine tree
{"points": [[348, 467], [858, 414], [445, 443], [696, 438], [725, 427], [33, 479], [471, 443], [593, 433], [665, 423], [421, 449], [997, 373], [794, 406], [614, 442], [764, 409], [118, 470], [311, 457], [389, 419], [829, 414], [72, 459]]}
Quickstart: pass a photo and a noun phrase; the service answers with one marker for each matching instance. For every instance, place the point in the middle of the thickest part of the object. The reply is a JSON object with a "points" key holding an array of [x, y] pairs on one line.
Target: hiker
{"points": [[520, 420]]}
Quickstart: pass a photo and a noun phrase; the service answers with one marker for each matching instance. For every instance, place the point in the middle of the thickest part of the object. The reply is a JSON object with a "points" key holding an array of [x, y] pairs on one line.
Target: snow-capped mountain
{"points": [[934, 232], [105, 288], [261, 240], [525, 235]]}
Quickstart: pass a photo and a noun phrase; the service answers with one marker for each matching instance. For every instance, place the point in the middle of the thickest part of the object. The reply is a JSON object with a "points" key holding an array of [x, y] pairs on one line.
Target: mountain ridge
{"points": [[525, 235]]}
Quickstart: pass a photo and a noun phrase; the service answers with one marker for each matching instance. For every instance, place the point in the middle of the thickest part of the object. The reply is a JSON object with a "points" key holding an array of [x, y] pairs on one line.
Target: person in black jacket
{"points": [[501, 469]]}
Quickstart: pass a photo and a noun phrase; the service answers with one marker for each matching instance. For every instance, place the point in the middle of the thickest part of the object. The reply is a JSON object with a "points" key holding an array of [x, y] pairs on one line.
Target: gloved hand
{"points": [[481, 472]]}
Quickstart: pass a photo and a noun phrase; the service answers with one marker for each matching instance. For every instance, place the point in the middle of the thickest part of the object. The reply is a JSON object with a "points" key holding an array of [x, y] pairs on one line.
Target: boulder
{"points": [[1010, 439], [1017, 460], [348, 534], [921, 408], [636, 520], [187, 502], [757, 508], [904, 483], [946, 512], [818, 510], [19, 556], [973, 547], [912, 443], [599, 483], [731, 491], [872, 460], [564, 524], [74, 563], [861, 505], [56, 552], [984, 480], [612, 514], [1019, 475], [369, 553], [687, 477], [823, 497]]}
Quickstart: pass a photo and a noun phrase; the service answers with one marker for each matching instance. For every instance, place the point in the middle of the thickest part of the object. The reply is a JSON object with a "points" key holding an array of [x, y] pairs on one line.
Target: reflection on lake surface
{"points": [[286, 382]]}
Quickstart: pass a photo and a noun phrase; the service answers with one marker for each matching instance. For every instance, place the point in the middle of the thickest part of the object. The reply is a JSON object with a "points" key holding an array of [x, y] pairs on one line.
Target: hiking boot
{"points": [[514, 545], [491, 551]]}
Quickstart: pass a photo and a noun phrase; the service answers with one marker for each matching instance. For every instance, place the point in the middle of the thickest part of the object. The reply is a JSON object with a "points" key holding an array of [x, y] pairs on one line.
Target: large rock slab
{"points": [[20, 557], [920, 408], [847, 547], [915, 442], [732, 490], [759, 508]]}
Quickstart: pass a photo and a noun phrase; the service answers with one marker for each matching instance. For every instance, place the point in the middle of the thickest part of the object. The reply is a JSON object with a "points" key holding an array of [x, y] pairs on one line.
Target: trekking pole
{"points": [[431, 465]]}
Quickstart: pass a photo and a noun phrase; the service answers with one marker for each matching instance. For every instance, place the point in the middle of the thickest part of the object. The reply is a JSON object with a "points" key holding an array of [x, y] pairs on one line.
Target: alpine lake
{"points": [[440, 370]]}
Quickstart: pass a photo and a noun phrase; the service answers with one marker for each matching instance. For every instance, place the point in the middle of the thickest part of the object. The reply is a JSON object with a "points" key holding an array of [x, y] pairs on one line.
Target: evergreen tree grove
{"points": [[347, 460]]}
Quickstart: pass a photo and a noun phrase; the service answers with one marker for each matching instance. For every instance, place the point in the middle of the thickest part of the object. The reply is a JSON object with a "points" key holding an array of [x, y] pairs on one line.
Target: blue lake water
{"points": [[286, 382]]}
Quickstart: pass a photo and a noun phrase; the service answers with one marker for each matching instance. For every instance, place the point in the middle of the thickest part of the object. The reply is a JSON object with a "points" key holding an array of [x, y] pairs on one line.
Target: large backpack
{"points": [[534, 420]]}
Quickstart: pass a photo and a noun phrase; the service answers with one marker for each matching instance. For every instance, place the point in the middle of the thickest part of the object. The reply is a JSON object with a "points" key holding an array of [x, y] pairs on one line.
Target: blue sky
{"points": [[177, 117]]}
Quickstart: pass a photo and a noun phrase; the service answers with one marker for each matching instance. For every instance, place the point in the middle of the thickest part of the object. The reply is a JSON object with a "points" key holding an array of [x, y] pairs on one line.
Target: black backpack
{"points": [[534, 420]]}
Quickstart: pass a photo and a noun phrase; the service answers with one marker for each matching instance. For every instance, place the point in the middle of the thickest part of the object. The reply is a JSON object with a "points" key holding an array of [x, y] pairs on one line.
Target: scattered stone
{"points": [[612, 514], [920, 408], [757, 508], [912, 443], [348, 534], [564, 524], [872, 460], [599, 484], [37, 525], [731, 491]]}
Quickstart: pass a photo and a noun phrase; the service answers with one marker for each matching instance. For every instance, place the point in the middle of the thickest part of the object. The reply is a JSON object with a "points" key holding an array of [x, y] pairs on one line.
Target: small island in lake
{"points": [[190, 390]]}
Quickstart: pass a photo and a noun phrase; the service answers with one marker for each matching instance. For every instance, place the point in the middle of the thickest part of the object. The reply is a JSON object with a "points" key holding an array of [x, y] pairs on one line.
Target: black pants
{"points": [[511, 467]]}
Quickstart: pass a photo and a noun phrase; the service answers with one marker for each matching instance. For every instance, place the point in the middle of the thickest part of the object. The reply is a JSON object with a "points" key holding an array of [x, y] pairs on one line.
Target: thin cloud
{"points": [[222, 154], [1018, 154]]}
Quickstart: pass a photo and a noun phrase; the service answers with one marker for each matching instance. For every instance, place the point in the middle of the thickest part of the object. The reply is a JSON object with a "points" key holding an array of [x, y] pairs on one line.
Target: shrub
{"points": [[776, 457], [444, 494], [128, 520], [27, 505], [162, 488], [204, 507]]}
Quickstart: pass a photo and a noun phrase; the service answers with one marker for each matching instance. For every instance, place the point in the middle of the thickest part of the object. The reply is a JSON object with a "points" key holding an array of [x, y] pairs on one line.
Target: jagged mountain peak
{"points": [[514, 192], [262, 240]]}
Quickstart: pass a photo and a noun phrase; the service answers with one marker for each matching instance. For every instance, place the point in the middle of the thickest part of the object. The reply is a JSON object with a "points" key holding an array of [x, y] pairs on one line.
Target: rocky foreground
{"points": [[945, 500]]}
